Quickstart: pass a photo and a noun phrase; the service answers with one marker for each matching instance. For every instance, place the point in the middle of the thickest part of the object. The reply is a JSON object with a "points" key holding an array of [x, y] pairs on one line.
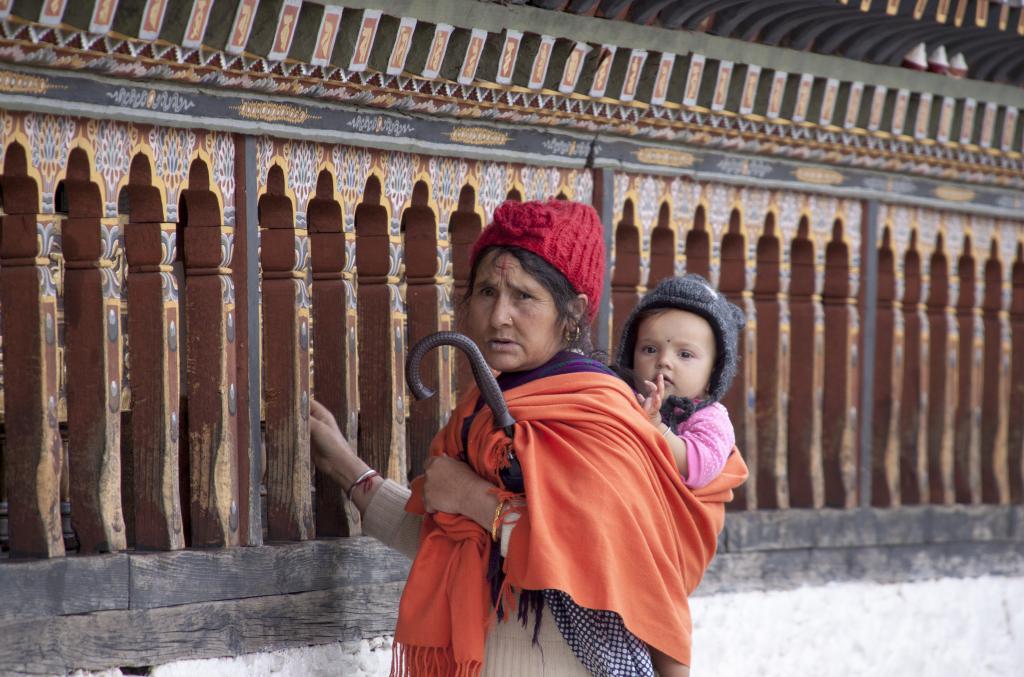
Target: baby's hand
{"points": [[655, 394]]}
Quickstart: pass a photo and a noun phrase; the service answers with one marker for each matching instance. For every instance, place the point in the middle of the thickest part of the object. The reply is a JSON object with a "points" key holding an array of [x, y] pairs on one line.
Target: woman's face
{"points": [[511, 316]]}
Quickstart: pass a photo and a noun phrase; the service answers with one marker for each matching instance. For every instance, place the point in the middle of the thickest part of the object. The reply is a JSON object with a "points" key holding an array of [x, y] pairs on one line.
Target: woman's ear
{"points": [[578, 307]]}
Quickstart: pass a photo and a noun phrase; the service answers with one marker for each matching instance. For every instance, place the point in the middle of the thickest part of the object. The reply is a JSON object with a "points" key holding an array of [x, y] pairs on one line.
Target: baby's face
{"points": [[680, 345]]}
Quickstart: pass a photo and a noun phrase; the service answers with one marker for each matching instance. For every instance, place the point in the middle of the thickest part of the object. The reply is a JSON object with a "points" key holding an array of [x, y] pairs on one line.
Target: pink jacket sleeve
{"points": [[709, 438]]}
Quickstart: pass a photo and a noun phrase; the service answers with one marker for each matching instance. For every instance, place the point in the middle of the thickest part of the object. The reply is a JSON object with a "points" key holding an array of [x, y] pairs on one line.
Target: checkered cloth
{"points": [[599, 639]]}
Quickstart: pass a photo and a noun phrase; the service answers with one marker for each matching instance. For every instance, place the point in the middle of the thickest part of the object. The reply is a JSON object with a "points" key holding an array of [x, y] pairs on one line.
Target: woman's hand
{"points": [[655, 395], [333, 455], [452, 486], [328, 446]]}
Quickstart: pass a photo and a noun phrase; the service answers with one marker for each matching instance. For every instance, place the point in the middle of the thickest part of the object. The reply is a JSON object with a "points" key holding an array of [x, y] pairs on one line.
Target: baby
{"points": [[679, 346]]}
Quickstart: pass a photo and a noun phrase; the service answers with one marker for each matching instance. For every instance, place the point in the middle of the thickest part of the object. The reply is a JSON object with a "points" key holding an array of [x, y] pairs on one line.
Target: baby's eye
{"points": [[648, 350], [685, 354]]}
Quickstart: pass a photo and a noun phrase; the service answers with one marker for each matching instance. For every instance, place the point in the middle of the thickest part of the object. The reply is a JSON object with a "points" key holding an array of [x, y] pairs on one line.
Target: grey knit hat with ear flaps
{"points": [[694, 294]]}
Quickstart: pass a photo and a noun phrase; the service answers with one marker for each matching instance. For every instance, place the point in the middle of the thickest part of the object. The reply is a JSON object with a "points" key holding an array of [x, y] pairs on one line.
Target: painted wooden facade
{"points": [[212, 212], [371, 236], [182, 269]]}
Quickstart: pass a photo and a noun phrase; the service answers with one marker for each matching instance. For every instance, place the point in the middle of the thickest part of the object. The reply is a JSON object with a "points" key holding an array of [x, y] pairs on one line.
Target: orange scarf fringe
{"points": [[608, 520]]}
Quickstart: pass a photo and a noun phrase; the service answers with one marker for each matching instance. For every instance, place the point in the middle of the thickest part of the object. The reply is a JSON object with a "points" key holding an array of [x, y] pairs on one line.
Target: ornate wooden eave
{"points": [[482, 62], [988, 33]]}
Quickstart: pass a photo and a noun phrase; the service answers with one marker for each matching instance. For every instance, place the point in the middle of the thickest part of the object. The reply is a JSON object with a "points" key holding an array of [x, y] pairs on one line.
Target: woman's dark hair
{"points": [[555, 283]]}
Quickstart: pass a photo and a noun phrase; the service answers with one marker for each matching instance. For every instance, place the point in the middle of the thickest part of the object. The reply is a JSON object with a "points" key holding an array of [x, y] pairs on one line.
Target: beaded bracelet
{"points": [[367, 475]]}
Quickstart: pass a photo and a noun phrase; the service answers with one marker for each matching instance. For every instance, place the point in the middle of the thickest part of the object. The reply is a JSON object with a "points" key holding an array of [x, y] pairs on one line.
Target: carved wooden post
{"points": [[733, 284], [153, 324], [967, 413], [284, 253], [913, 414], [839, 370], [698, 246], [381, 442], [212, 393], [942, 375], [996, 376], [663, 249], [804, 421], [464, 229], [772, 365], [1015, 434], [625, 273], [92, 308], [424, 302], [27, 291], [330, 340], [888, 369]]}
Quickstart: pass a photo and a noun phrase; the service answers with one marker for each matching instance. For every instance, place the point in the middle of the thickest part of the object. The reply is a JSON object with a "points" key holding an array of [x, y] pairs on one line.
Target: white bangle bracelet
{"points": [[667, 432], [370, 472]]}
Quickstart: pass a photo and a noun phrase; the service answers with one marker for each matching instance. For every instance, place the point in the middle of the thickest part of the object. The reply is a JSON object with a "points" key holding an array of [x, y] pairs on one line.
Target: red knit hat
{"points": [[568, 235]]}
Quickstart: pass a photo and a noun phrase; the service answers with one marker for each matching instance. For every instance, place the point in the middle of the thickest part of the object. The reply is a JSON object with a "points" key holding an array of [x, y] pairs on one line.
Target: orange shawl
{"points": [[608, 521]]}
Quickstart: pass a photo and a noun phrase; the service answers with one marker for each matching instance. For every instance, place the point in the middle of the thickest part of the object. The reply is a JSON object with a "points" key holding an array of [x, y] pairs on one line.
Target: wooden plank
{"points": [[200, 576], [109, 639], [71, 585], [788, 569], [794, 529]]}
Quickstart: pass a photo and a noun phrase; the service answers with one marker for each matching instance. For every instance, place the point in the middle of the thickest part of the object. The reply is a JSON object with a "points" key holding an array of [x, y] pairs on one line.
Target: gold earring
{"points": [[573, 335]]}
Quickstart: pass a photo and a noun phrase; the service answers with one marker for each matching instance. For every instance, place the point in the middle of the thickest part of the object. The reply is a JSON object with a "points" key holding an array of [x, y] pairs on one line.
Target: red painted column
{"points": [[27, 291], [153, 332], [943, 342], [1015, 399], [426, 417], [284, 254], [967, 408], [771, 368], [996, 376], [838, 434], [381, 441], [913, 420], [331, 343], [625, 273], [464, 228], [888, 370], [732, 283], [92, 311], [804, 419], [211, 369]]}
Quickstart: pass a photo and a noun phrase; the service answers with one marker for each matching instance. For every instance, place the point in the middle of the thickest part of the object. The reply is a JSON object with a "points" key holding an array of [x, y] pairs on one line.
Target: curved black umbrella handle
{"points": [[481, 372]]}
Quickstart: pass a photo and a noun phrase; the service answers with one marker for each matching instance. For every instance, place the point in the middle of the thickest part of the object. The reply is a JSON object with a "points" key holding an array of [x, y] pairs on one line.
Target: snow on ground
{"points": [[964, 627]]}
